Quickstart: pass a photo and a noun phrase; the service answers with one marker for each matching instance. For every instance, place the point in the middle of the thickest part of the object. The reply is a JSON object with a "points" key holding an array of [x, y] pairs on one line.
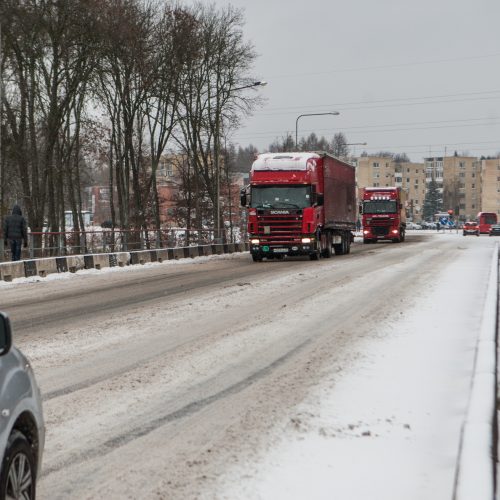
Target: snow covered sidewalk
{"points": [[391, 427]]}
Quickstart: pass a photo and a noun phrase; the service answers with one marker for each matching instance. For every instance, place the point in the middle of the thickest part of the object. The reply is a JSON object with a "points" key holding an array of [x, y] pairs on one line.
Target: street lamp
{"points": [[260, 83], [309, 114]]}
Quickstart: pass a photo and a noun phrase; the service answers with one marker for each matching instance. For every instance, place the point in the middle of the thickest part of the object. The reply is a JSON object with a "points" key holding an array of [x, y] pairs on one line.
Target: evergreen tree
{"points": [[433, 201]]}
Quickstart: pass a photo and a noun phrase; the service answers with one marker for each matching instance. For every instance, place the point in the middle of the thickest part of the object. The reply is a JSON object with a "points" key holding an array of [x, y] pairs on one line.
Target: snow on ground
{"points": [[402, 406], [403, 402]]}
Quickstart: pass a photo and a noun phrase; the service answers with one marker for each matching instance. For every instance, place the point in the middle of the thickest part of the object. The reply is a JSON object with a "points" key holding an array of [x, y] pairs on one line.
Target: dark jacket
{"points": [[14, 226]]}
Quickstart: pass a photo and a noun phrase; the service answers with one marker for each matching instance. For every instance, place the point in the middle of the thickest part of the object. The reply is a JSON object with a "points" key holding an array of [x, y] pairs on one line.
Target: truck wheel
{"points": [[348, 243], [340, 249], [327, 251], [256, 258]]}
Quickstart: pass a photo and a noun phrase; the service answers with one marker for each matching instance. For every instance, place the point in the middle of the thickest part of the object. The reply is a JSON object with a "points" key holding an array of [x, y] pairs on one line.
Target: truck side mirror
{"points": [[360, 209], [243, 198], [320, 199]]}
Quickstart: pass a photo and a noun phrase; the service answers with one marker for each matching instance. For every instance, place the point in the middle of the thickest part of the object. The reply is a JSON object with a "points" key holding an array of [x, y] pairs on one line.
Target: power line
{"points": [[395, 105], [377, 101], [387, 66], [382, 128]]}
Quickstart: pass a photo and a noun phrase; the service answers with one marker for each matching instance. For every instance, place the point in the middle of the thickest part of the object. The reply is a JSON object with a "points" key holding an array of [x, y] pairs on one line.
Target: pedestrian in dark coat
{"points": [[15, 231]]}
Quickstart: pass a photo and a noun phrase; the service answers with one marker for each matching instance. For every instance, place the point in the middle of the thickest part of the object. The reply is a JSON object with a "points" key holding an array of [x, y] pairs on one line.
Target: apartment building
{"points": [[411, 177], [490, 185], [459, 181]]}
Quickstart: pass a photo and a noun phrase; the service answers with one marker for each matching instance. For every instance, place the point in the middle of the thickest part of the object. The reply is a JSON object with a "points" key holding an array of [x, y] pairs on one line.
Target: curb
{"points": [[72, 263], [476, 468]]}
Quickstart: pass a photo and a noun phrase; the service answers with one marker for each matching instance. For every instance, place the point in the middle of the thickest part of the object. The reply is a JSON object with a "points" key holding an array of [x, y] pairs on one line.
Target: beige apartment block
{"points": [[459, 181], [375, 171], [490, 186], [411, 177]]}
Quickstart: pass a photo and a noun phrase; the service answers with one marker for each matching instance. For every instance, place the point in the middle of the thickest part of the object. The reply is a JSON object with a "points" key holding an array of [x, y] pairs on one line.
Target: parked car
{"points": [[22, 430], [470, 227], [495, 230]]}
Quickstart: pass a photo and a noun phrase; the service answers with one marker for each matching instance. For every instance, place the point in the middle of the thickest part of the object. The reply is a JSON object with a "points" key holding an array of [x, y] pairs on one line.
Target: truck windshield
{"points": [[379, 207], [281, 197]]}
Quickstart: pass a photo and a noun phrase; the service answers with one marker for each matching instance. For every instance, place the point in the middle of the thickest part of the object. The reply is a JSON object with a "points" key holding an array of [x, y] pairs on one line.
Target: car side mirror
{"points": [[5, 334]]}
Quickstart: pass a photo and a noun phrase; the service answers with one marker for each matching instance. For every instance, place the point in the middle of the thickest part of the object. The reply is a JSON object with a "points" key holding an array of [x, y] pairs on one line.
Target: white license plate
{"points": [[280, 250]]}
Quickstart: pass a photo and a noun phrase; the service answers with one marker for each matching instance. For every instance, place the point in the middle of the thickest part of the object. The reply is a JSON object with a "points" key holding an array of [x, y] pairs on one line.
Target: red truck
{"points": [[300, 204], [384, 214]]}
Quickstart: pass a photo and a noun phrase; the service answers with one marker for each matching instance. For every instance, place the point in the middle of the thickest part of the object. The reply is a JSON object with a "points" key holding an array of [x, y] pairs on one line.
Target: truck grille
{"points": [[380, 230], [279, 229]]}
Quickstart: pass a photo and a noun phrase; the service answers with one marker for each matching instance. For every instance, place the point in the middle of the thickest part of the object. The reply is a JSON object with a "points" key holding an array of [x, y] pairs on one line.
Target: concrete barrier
{"points": [[140, 257], [11, 270], [45, 266], [100, 261], [72, 263], [162, 254], [75, 263]]}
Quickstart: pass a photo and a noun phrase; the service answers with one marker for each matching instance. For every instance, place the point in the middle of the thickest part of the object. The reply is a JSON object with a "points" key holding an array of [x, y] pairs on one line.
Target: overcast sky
{"points": [[406, 76]]}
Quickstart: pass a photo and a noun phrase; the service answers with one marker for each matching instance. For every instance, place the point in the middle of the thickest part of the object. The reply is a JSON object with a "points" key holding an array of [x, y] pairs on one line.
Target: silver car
{"points": [[22, 430]]}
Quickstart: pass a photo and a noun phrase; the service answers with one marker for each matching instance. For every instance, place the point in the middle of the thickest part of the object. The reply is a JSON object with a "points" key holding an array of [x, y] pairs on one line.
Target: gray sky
{"points": [[406, 76]]}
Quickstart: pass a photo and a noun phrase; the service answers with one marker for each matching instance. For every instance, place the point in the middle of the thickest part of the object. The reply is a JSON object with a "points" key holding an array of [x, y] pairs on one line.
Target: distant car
{"points": [[413, 225], [22, 430], [495, 230], [470, 228]]}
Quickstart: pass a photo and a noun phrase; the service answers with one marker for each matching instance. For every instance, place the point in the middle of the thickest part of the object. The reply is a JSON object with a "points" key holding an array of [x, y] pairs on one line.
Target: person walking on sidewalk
{"points": [[15, 231]]}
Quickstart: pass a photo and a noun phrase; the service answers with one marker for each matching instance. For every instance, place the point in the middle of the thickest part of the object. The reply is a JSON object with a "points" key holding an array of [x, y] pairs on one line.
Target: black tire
{"points": [[18, 464], [256, 258], [327, 252], [347, 243]]}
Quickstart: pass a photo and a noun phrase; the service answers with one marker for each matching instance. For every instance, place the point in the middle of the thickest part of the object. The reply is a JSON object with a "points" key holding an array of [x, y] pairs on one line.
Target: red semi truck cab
{"points": [[300, 204], [384, 214]]}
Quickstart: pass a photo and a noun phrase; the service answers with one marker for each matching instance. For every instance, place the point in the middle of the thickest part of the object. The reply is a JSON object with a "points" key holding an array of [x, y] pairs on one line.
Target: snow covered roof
{"points": [[283, 161]]}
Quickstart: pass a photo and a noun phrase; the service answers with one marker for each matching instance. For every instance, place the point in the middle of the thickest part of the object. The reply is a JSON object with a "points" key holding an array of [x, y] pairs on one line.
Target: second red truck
{"points": [[383, 214]]}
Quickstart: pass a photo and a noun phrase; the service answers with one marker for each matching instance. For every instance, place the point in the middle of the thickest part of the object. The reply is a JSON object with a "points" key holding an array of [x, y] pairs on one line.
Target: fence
{"points": [[93, 241]]}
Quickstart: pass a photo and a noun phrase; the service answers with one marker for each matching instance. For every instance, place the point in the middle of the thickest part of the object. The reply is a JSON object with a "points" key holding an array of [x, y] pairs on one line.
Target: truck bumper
{"points": [[273, 251]]}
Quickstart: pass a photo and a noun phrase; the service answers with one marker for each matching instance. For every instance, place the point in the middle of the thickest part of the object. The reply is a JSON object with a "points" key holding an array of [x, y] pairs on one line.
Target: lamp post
{"points": [[260, 83], [309, 114]]}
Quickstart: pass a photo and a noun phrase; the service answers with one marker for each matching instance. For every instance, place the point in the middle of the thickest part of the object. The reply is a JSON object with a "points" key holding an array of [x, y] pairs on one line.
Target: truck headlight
{"points": [[306, 240], [255, 241]]}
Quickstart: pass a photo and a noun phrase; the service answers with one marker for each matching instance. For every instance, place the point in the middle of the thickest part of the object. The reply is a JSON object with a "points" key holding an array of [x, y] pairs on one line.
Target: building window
{"points": [[473, 186], [376, 165], [169, 170], [461, 164]]}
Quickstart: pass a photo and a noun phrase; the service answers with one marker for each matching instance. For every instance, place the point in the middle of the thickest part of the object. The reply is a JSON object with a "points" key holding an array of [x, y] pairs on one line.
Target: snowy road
{"points": [[346, 378]]}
